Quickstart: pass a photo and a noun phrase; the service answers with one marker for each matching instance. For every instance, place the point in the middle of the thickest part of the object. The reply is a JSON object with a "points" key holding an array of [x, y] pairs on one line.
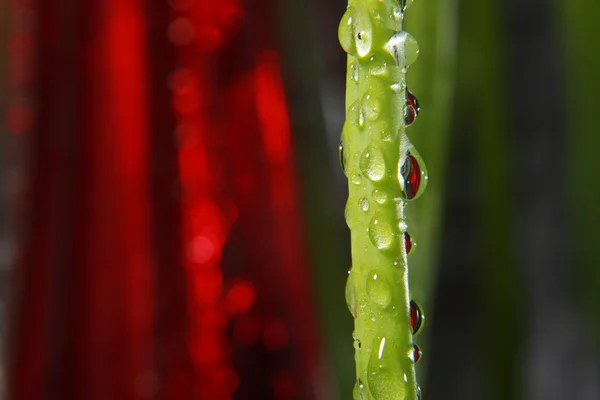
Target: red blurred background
{"points": [[161, 251]]}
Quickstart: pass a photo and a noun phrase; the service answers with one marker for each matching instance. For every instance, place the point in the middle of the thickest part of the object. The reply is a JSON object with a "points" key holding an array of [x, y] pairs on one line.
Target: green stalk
{"points": [[375, 149]]}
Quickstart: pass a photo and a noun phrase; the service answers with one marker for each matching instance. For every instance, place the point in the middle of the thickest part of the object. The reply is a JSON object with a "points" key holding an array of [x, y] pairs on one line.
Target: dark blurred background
{"points": [[172, 215]]}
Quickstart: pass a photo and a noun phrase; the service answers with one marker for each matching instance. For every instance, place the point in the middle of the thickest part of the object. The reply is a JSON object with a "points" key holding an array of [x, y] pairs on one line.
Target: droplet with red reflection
{"points": [[417, 353], [412, 108], [416, 317], [413, 175], [408, 243]]}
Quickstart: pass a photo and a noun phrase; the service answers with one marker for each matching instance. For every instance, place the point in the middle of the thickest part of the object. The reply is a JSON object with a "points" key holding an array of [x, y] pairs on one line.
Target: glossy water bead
{"points": [[412, 108], [411, 172], [416, 317], [417, 353]]}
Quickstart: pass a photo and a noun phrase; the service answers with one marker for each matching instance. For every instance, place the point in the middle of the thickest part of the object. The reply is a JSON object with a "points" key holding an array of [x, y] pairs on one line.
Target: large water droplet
{"points": [[416, 317], [358, 391], [380, 196], [379, 290], [414, 175], [412, 108], [372, 163], [351, 295], [346, 32], [371, 107], [363, 32], [355, 32], [385, 383], [417, 353], [403, 48], [381, 234]]}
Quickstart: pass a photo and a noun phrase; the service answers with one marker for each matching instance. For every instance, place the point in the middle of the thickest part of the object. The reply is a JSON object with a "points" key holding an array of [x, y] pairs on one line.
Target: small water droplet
{"points": [[379, 290], [372, 163], [371, 107], [364, 204], [414, 175], [417, 353], [418, 392], [398, 87], [397, 12], [347, 213], [403, 48], [412, 108], [378, 68], [341, 155], [355, 178], [408, 243], [380, 196], [381, 234], [416, 317], [351, 295], [356, 114], [358, 391], [357, 344], [353, 72]]}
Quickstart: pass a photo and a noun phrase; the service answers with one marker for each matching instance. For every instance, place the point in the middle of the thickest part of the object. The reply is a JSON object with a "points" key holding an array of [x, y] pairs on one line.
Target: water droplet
{"points": [[363, 29], [414, 175], [398, 87], [356, 114], [378, 68], [351, 295], [371, 107], [347, 213], [355, 32], [379, 290], [358, 391], [418, 392], [412, 108], [372, 163], [397, 12], [380, 196], [364, 204], [356, 179], [416, 317], [408, 243], [357, 344], [403, 48], [381, 234], [353, 72], [341, 155], [386, 383], [346, 32], [417, 353]]}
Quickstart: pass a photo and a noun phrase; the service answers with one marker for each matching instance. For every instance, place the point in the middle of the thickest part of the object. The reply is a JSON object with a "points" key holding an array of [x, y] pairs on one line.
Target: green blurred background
{"points": [[506, 263]]}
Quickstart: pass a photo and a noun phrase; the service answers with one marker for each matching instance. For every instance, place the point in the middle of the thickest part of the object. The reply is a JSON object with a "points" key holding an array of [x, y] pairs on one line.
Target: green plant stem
{"points": [[375, 147]]}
